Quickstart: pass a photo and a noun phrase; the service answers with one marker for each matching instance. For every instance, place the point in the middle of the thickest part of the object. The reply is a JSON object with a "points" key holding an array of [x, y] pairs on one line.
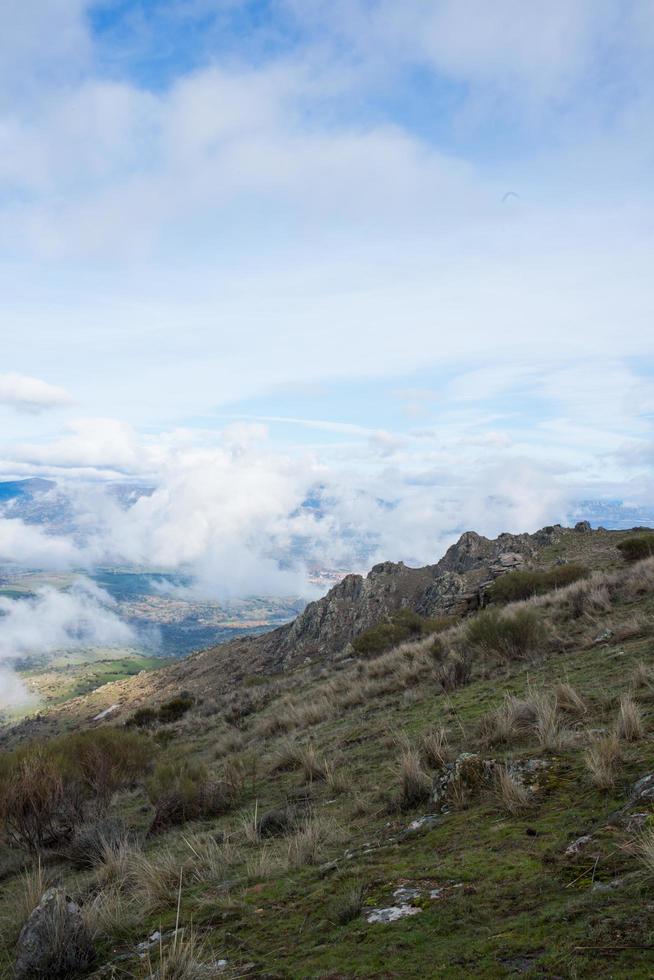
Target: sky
{"points": [[337, 278]]}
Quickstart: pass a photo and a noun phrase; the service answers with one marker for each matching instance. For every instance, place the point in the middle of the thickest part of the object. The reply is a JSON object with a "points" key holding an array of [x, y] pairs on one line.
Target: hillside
{"points": [[473, 799], [324, 631]]}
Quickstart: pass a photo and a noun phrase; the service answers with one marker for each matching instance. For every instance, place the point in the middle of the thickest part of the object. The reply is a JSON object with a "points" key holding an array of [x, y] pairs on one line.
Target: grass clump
{"points": [[629, 726], [415, 784], [435, 748], [601, 759], [511, 794]]}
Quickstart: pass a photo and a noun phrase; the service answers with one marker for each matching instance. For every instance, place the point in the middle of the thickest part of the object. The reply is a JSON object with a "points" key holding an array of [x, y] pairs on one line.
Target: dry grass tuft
{"points": [[513, 719], [211, 860], [307, 845], [348, 906], [629, 725], [156, 879], [601, 759], [435, 748], [183, 959], [511, 795], [415, 784], [645, 849], [642, 677], [551, 735], [568, 700]]}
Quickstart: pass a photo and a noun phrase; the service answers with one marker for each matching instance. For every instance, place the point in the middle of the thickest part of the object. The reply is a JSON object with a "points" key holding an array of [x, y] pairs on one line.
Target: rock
{"points": [[607, 886], [428, 822], [578, 845], [583, 527], [404, 895], [466, 775], [602, 637], [391, 914], [643, 789], [71, 952]]}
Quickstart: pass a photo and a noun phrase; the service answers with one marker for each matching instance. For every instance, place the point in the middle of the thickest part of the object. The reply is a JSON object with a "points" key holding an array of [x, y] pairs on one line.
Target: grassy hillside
{"points": [[477, 780]]}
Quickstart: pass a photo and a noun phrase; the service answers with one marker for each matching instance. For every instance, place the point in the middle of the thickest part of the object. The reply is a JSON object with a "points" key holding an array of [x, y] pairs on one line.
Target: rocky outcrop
{"points": [[55, 941]]}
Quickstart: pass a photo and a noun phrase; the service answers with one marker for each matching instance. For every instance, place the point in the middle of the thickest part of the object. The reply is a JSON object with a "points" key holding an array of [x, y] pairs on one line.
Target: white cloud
{"points": [[28, 545], [52, 620], [32, 395]]}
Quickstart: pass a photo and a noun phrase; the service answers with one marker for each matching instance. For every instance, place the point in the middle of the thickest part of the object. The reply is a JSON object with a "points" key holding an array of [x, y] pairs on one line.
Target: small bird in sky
{"points": [[509, 194]]}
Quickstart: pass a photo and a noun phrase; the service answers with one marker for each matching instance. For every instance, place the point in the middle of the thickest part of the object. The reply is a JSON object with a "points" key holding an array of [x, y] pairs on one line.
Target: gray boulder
{"points": [[55, 941]]}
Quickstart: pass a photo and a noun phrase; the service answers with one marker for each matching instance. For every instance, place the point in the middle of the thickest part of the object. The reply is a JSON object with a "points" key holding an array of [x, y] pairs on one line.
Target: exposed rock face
{"points": [[54, 941]]}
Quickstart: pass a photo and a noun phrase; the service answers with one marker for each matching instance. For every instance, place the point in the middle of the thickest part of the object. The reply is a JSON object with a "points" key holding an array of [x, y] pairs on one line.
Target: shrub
{"points": [[91, 843], [519, 585], [49, 788], [403, 625], [104, 759], [453, 672], [634, 549], [143, 718], [181, 791], [175, 709], [510, 635], [37, 808]]}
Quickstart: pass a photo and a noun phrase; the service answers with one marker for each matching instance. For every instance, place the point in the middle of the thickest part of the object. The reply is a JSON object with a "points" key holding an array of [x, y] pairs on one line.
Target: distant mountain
{"points": [[13, 489]]}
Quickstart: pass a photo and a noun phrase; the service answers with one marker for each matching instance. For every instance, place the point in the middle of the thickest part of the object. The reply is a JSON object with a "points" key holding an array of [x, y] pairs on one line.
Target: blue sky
{"points": [[253, 248]]}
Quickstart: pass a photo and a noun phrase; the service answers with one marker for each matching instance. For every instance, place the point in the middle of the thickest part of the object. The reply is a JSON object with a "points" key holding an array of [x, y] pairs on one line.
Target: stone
{"points": [[583, 527], [468, 773], [577, 845], [602, 637], [643, 789], [391, 914], [37, 955]]}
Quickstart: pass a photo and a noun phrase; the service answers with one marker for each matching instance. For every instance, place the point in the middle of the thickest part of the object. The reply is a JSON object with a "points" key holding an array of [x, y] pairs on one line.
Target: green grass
{"points": [[522, 908]]}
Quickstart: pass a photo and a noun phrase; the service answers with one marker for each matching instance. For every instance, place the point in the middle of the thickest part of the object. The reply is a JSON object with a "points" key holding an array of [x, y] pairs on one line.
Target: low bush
{"points": [[402, 626], [91, 842], [144, 718], [634, 549], [47, 789], [180, 791], [453, 672], [510, 635], [175, 709], [516, 586]]}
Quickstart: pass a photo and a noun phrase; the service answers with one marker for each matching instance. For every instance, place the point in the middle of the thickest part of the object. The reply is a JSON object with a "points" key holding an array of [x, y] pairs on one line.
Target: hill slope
{"points": [[469, 803]]}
